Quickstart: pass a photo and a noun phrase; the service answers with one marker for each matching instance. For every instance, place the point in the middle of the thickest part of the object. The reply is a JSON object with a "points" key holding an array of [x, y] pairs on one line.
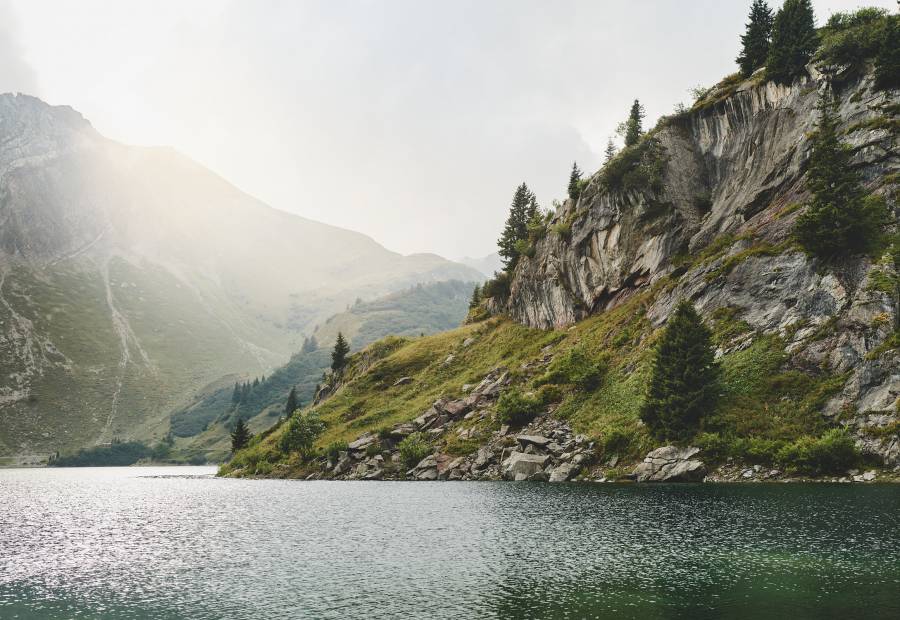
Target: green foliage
{"points": [[832, 452], [475, 300], [793, 43], [852, 38], [516, 407], [575, 367], [333, 449], [292, 404], [636, 168], [522, 210], [497, 287], [759, 249], [840, 220], [684, 385], [339, 353], [887, 60], [755, 41], [116, 454], [632, 129], [240, 436], [575, 182], [413, 448], [301, 433]]}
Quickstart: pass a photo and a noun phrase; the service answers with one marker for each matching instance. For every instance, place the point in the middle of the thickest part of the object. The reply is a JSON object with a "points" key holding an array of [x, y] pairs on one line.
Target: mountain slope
{"points": [[805, 347], [129, 276], [423, 309]]}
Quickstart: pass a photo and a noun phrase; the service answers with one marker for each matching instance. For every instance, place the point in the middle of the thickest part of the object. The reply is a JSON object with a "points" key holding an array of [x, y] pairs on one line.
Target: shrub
{"points": [[575, 367], [301, 433], [413, 449], [514, 407], [333, 449], [373, 448], [498, 287], [619, 441], [832, 452], [636, 168], [851, 38]]}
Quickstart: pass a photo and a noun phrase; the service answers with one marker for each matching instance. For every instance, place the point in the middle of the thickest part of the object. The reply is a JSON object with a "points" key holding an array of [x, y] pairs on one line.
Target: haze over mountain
{"points": [[130, 275]]}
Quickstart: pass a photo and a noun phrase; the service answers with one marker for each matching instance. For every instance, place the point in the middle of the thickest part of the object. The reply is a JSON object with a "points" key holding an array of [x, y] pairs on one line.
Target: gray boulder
{"points": [[670, 464], [522, 466], [564, 472]]}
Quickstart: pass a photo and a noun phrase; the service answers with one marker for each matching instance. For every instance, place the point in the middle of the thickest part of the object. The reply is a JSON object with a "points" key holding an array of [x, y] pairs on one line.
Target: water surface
{"points": [[175, 543]]}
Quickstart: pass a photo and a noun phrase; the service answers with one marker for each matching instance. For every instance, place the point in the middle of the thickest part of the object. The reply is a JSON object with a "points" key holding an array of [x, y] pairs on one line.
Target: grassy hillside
{"points": [[422, 309], [768, 406]]}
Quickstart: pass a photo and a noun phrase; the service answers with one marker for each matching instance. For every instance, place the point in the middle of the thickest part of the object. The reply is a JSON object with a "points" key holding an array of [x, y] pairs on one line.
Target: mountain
{"points": [[129, 276], [423, 309], [488, 265], [549, 378]]}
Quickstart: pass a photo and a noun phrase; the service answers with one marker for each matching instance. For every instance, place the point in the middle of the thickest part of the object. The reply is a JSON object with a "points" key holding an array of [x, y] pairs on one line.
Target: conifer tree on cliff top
{"points": [[755, 42], [794, 41], [521, 211]]}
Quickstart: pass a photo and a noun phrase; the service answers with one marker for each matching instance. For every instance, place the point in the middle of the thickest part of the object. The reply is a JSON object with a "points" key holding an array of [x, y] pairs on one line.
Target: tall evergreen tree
{"points": [[240, 436], [684, 382], [245, 391], [292, 405], [633, 128], [574, 182], [522, 209], [887, 60], [610, 151], [755, 42], [476, 298], [793, 43], [339, 353], [839, 220], [236, 394]]}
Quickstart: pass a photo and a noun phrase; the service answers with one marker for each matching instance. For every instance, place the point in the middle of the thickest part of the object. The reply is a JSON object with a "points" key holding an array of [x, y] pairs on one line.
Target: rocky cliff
{"points": [[717, 230]]}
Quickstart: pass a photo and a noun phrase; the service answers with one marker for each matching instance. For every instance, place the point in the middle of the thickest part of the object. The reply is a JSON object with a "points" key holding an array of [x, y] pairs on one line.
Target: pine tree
{"points": [[633, 128], [236, 394], [476, 298], [339, 353], [292, 405], [245, 392], [887, 61], [575, 182], [523, 207], [839, 220], [793, 43], [755, 42], [610, 151], [255, 382], [684, 382], [240, 436]]}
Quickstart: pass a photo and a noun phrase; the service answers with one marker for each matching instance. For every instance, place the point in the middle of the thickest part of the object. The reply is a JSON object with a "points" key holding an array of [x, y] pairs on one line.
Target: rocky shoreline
{"points": [[544, 450]]}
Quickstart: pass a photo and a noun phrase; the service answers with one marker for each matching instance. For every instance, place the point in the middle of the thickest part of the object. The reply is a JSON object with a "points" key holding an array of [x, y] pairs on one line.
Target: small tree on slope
{"points": [[755, 42], [292, 405], [839, 220], [575, 182], [339, 353], [685, 381], [240, 436], [794, 41], [633, 129], [521, 210]]}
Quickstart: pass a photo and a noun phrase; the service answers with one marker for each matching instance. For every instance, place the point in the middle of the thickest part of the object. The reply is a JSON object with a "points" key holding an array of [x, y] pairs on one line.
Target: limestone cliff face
{"points": [[734, 175]]}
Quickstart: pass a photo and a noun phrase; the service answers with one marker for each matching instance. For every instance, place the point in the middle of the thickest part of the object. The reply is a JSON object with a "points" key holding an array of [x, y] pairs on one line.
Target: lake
{"points": [[176, 543]]}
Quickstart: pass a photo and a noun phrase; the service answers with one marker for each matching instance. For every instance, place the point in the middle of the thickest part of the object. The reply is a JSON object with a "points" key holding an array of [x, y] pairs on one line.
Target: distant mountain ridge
{"points": [[131, 275]]}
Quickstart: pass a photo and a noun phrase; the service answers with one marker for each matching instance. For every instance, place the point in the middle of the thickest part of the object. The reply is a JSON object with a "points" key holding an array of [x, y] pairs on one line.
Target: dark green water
{"points": [[126, 543]]}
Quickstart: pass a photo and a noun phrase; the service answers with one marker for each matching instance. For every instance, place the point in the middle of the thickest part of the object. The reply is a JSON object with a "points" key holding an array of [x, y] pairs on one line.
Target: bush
{"points": [[498, 287], [851, 38], [575, 367], [333, 449], [636, 168], [514, 407], [413, 449], [832, 452], [301, 433], [619, 441]]}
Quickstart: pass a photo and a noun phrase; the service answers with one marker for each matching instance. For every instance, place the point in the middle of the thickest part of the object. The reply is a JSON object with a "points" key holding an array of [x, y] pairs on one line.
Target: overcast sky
{"points": [[411, 121]]}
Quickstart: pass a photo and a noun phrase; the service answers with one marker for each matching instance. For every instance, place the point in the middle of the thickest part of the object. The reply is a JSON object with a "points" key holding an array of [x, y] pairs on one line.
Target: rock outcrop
{"points": [[671, 464]]}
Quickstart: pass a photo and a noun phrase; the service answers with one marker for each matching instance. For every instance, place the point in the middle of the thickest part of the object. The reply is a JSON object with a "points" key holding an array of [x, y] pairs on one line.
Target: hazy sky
{"points": [[411, 121]]}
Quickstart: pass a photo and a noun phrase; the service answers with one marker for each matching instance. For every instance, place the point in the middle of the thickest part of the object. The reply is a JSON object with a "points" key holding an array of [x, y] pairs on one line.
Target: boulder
{"points": [[483, 457], [403, 381], [402, 430], [670, 464], [343, 465], [362, 442], [522, 466], [563, 472], [534, 440]]}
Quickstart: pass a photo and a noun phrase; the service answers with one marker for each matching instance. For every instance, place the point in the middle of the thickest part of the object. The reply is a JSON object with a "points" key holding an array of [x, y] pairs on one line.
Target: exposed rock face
{"points": [[671, 464], [734, 173]]}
